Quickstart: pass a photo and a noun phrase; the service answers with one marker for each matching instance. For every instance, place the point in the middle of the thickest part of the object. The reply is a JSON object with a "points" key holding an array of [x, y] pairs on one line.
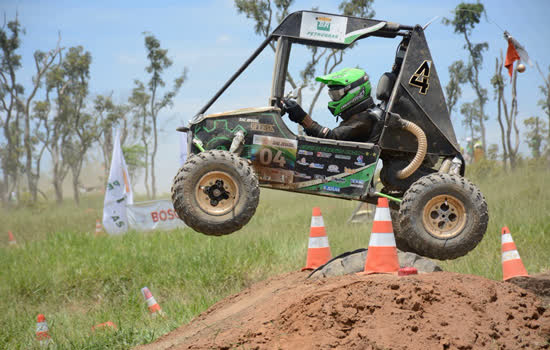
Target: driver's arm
{"points": [[351, 130]]}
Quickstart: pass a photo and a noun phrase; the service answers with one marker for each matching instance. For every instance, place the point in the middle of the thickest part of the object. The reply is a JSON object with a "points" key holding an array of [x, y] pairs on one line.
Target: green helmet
{"points": [[347, 88]]}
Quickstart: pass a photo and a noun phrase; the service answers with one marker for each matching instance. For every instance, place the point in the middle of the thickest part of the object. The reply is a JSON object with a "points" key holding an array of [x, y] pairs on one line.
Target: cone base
{"points": [[382, 259], [317, 257], [514, 268]]}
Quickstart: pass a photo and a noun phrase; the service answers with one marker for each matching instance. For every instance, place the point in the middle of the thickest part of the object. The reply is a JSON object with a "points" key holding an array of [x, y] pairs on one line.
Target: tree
{"points": [[43, 61], [10, 90], [72, 130], [158, 62], [21, 134], [457, 76], [508, 127], [109, 116], [134, 156], [466, 16], [535, 134], [470, 112], [492, 152], [139, 102]]}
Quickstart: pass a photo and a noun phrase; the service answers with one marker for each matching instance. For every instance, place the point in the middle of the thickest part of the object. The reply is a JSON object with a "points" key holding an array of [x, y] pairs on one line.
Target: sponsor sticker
{"points": [[301, 175], [359, 160], [248, 120], [323, 155], [318, 148], [339, 180], [342, 156], [333, 168], [302, 161], [331, 188], [317, 166], [357, 183], [274, 142], [319, 177], [274, 175], [303, 152], [323, 27], [262, 127]]}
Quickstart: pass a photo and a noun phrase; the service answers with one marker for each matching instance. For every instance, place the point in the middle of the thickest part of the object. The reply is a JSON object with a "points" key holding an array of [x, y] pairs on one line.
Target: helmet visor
{"points": [[336, 92]]}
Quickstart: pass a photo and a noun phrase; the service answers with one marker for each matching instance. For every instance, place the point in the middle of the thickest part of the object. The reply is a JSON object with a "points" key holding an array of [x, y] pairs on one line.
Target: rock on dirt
{"points": [[440, 310], [354, 262]]}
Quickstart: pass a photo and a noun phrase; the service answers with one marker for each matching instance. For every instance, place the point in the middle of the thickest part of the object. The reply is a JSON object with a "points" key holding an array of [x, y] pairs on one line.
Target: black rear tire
{"points": [[443, 216], [401, 238], [215, 192]]}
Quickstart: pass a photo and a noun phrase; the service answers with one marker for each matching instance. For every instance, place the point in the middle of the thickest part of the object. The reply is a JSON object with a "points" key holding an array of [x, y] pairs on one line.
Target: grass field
{"points": [[61, 270]]}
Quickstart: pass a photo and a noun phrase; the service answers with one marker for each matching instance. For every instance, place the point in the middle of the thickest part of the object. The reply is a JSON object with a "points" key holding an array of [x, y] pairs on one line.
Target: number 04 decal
{"points": [[266, 157], [420, 78]]}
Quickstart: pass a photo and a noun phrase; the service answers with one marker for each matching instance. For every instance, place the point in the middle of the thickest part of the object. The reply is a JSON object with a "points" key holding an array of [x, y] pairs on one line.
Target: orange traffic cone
{"points": [[98, 228], [318, 251], [511, 261], [154, 307], [11, 238], [42, 331], [382, 252]]}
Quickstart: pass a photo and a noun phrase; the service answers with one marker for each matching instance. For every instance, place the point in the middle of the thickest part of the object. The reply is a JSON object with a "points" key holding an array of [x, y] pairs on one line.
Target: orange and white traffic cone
{"points": [[11, 238], [154, 307], [318, 251], [382, 252], [42, 331], [512, 266], [98, 228]]}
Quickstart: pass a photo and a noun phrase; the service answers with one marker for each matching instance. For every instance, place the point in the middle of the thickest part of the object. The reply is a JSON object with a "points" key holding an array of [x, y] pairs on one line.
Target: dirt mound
{"points": [[538, 284], [440, 310]]}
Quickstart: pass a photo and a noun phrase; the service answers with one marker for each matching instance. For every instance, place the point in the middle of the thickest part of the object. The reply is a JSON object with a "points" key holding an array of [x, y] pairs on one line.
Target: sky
{"points": [[211, 39]]}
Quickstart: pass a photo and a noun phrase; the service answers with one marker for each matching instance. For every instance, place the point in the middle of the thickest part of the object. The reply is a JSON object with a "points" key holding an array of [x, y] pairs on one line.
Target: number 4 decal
{"points": [[420, 78]]}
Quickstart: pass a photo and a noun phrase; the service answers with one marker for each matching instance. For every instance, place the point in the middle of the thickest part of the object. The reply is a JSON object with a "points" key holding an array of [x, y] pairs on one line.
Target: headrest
{"points": [[385, 86]]}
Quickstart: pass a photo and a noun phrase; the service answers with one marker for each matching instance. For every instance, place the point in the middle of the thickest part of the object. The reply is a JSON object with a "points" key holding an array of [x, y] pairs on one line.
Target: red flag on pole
{"points": [[511, 56]]}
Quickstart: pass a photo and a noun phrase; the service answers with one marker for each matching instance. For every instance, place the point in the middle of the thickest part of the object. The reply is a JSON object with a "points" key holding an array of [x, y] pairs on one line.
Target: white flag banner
{"points": [[118, 192], [153, 215], [183, 148]]}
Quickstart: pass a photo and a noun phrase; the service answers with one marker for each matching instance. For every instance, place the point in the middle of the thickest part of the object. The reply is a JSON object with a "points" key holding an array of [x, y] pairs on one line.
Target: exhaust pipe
{"points": [[420, 152]]}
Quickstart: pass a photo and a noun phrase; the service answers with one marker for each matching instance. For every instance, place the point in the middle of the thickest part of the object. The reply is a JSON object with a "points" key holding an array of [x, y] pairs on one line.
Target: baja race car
{"points": [[436, 212]]}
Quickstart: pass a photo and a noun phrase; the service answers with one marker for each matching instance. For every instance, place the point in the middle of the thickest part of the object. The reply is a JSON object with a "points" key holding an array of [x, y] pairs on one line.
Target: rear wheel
{"points": [[215, 192], [444, 216], [401, 238]]}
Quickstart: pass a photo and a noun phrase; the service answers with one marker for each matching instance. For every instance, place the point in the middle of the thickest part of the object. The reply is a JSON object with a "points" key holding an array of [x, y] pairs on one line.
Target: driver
{"points": [[349, 90]]}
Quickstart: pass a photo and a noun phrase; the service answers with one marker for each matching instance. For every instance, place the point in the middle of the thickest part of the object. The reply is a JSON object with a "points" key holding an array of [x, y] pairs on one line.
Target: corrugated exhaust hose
{"points": [[420, 153]]}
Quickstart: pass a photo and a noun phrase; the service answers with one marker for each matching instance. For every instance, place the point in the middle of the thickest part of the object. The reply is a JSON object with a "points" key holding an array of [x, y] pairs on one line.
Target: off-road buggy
{"points": [[436, 212]]}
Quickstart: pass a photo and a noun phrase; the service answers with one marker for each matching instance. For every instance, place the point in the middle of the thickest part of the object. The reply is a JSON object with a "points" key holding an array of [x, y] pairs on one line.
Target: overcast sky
{"points": [[211, 40]]}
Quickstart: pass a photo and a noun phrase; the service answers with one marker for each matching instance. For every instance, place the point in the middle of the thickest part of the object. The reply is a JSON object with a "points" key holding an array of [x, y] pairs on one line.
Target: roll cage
{"points": [[417, 94]]}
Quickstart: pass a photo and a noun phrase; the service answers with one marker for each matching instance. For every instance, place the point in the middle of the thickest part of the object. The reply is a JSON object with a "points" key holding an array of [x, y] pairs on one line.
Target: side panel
{"points": [[283, 161], [418, 97], [337, 168]]}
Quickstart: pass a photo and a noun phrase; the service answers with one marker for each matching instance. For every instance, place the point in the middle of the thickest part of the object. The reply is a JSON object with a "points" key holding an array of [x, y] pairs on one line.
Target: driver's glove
{"points": [[295, 112]]}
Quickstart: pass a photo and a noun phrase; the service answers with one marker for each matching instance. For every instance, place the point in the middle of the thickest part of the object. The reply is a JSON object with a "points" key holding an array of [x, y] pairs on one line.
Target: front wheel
{"points": [[444, 216], [215, 192]]}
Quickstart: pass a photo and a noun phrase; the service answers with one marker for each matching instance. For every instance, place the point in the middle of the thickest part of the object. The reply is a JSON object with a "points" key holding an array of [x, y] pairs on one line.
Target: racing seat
{"points": [[385, 87], [383, 93]]}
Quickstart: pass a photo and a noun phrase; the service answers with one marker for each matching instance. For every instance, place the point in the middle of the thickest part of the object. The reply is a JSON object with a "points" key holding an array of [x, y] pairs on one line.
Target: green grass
{"points": [[77, 280]]}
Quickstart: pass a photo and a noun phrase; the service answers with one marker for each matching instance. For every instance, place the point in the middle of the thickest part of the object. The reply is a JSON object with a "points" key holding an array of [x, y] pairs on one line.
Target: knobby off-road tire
{"points": [[215, 192], [401, 238], [443, 216]]}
